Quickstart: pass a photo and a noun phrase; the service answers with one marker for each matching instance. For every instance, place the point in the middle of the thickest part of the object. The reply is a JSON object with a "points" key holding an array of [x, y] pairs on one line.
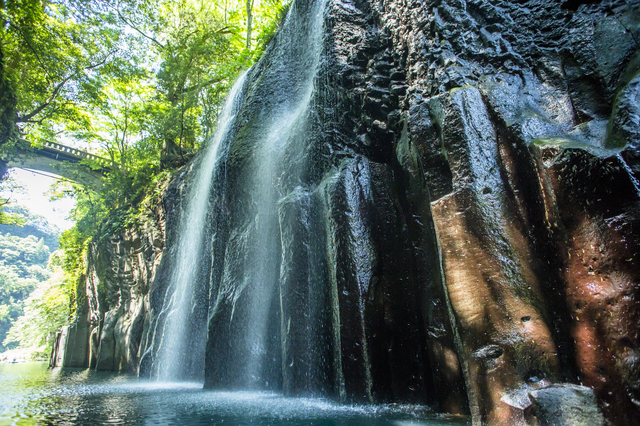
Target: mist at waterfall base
{"points": [[31, 393]]}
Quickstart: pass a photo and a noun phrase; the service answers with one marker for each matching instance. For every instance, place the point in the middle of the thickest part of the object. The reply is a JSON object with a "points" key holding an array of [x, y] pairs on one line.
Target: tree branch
{"points": [[201, 85], [224, 30], [26, 40], [142, 33], [27, 118]]}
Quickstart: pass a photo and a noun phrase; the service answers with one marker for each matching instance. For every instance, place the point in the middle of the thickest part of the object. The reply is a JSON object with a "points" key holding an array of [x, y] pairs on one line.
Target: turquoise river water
{"points": [[33, 394]]}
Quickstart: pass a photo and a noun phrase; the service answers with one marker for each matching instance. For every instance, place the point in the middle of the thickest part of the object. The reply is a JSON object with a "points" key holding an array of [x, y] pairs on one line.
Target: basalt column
{"points": [[520, 117]]}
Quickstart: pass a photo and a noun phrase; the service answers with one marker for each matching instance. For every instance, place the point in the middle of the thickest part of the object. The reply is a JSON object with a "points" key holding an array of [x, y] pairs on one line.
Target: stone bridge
{"points": [[56, 158]]}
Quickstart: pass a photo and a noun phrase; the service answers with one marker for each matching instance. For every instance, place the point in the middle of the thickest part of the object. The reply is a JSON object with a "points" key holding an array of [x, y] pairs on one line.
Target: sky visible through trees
{"points": [[31, 192]]}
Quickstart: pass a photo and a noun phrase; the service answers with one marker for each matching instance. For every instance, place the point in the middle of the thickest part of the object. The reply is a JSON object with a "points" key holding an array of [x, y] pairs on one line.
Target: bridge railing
{"points": [[76, 152]]}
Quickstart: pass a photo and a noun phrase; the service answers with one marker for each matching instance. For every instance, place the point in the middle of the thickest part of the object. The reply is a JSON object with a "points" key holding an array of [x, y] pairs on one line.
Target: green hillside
{"points": [[24, 253]]}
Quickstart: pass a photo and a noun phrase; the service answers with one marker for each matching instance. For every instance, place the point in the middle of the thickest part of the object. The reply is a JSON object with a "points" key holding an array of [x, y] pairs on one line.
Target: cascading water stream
{"points": [[249, 355], [271, 149], [175, 355]]}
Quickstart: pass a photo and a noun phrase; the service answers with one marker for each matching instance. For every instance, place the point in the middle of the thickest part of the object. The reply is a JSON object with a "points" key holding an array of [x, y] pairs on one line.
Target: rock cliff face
{"points": [[112, 315], [451, 215]]}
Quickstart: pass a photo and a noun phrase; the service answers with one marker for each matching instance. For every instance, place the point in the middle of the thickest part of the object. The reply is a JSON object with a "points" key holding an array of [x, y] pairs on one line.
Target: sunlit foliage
{"points": [[56, 54]]}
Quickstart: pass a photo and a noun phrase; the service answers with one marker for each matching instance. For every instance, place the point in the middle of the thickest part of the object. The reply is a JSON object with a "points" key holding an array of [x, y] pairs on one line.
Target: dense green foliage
{"points": [[7, 214], [123, 72], [23, 266], [139, 82], [8, 130]]}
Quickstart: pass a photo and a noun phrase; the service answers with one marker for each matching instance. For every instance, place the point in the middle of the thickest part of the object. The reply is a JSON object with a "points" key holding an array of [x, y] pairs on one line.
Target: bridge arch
{"points": [[57, 159]]}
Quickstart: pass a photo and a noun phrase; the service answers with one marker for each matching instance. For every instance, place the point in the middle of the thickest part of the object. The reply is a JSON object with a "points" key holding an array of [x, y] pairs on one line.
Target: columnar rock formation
{"points": [[446, 211]]}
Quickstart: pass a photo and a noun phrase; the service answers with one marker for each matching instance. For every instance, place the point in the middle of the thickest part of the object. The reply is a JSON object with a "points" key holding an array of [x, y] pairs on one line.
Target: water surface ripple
{"points": [[31, 394]]}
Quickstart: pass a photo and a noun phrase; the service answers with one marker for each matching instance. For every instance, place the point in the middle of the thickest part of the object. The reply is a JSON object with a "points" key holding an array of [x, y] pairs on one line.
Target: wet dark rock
{"points": [[71, 346], [566, 404], [490, 351], [625, 117], [113, 314], [454, 219]]}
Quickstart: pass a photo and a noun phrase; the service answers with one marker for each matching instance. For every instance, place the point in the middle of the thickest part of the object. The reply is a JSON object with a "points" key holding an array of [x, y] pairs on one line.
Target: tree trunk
{"points": [[8, 129], [249, 16]]}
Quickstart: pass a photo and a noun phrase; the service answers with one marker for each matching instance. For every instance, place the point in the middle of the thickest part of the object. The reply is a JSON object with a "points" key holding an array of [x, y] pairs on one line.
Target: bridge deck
{"points": [[49, 156], [61, 152]]}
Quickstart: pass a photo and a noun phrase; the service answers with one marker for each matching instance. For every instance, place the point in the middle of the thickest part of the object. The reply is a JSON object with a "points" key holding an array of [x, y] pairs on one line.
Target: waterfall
{"points": [[245, 345], [180, 354], [241, 280], [403, 204], [278, 138]]}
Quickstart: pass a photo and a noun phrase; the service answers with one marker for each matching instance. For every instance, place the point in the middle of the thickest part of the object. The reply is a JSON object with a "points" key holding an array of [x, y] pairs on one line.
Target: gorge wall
{"points": [[427, 201]]}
